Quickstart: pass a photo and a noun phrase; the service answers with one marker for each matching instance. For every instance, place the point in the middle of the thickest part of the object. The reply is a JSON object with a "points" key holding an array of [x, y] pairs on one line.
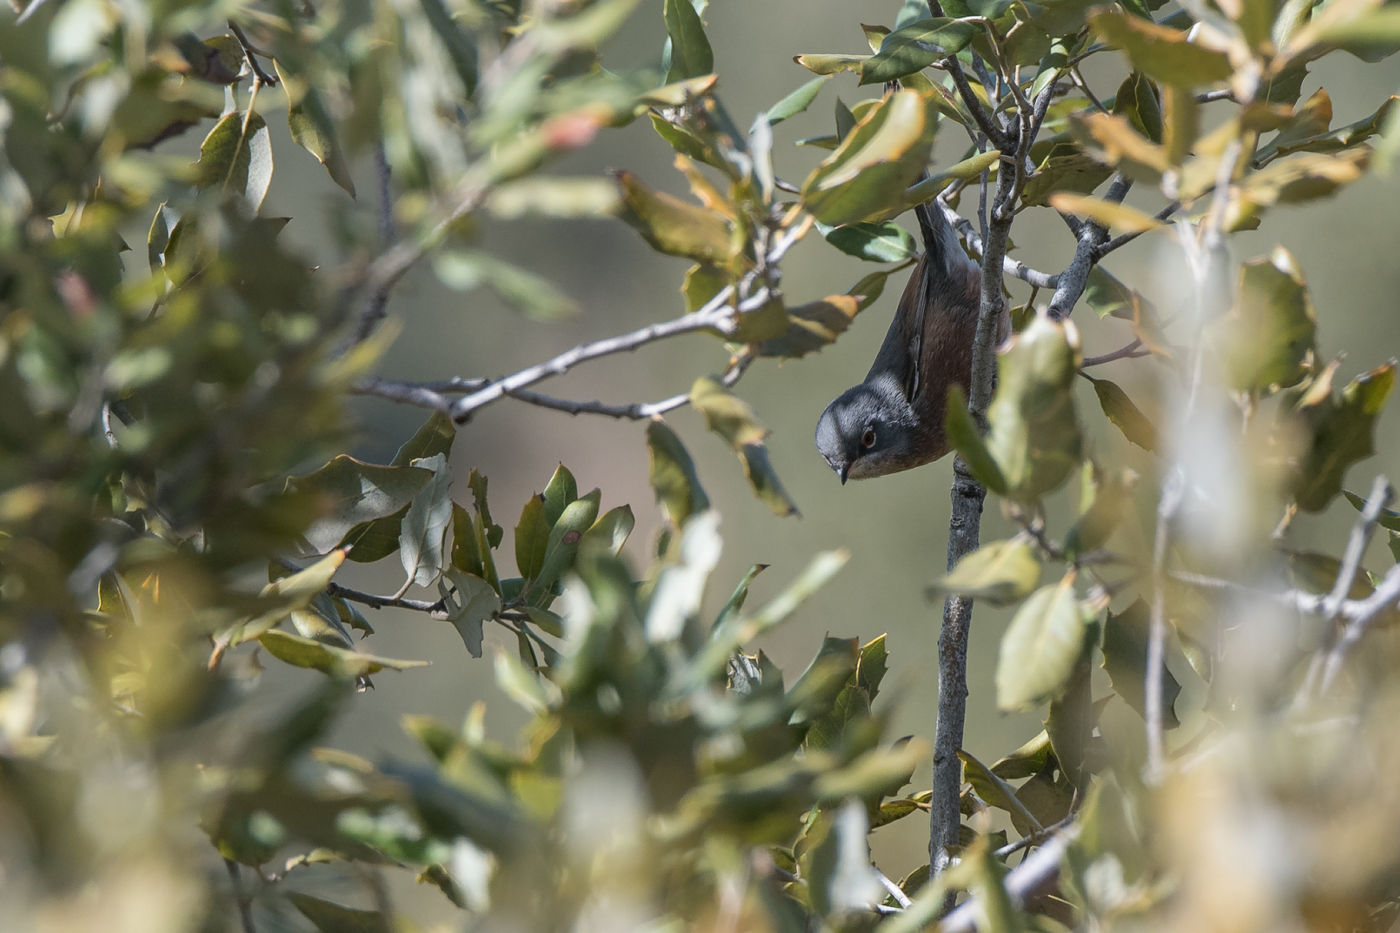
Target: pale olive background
{"points": [[895, 527]]}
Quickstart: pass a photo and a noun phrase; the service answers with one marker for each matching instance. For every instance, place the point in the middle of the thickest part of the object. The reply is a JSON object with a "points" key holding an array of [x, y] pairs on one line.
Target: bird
{"points": [[894, 419]]}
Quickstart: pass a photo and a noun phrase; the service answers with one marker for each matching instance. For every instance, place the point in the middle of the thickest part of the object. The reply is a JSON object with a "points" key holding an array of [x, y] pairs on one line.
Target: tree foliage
{"points": [[178, 504]]}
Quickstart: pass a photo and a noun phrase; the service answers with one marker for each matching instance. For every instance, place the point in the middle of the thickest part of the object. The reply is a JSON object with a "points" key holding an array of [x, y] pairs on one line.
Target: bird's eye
{"points": [[867, 440]]}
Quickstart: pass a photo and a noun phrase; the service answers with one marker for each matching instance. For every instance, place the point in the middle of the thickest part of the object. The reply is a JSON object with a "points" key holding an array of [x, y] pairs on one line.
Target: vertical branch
{"points": [[964, 531]]}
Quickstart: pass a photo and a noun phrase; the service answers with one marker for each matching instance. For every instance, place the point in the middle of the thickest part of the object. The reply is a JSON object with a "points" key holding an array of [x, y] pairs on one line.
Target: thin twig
{"points": [[1033, 838], [895, 891], [1035, 873], [1126, 352], [260, 74], [1012, 267], [434, 395], [1125, 238], [1337, 640], [716, 314]]}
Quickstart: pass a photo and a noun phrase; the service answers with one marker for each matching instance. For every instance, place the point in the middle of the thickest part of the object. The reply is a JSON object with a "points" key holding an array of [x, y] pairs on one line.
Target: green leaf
{"points": [[531, 538], [673, 475], [1340, 432], [886, 242], [427, 523], [1125, 637], [816, 324], [1120, 410], [433, 438], [492, 532], [796, 102], [821, 64], [313, 129], [238, 159], [725, 413], [285, 595], [964, 437], [1001, 573], [351, 493], [1270, 334], [673, 226], [610, 531], [688, 53], [561, 489], [1109, 297], [1137, 100], [869, 172], [337, 662], [916, 46], [737, 598], [1026, 760], [764, 480], [465, 556], [993, 790], [1159, 52], [564, 538], [1070, 726], [1034, 434], [469, 604], [1039, 651]]}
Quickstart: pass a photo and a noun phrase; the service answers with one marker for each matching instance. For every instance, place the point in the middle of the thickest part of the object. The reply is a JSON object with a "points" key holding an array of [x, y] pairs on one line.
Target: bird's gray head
{"points": [[869, 430]]}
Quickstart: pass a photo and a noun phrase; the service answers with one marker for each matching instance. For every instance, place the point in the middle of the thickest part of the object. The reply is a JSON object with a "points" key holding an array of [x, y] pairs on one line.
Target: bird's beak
{"points": [[842, 471]]}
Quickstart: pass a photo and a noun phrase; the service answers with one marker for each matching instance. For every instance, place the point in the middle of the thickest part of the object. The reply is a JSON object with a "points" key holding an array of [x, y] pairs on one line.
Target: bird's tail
{"points": [[947, 266]]}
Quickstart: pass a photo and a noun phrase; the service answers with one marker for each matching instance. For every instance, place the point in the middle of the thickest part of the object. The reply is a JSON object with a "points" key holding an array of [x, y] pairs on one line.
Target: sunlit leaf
{"points": [[1034, 433], [874, 164], [338, 662], [1159, 52], [1126, 416], [671, 225], [1001, 573], [916, 46], [1039, 651], [237, 157]]}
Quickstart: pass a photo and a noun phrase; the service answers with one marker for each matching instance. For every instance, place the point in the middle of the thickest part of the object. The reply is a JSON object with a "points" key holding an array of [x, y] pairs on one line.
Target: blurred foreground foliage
{"points": [[176, 504]]}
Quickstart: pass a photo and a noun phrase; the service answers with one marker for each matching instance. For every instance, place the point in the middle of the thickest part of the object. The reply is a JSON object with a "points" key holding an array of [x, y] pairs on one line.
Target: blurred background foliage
{"points": [[207, 498]]}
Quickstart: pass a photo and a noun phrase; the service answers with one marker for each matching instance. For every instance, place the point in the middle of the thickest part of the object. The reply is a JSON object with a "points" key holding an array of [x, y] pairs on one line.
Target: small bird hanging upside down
{"points": [[894, 419]]}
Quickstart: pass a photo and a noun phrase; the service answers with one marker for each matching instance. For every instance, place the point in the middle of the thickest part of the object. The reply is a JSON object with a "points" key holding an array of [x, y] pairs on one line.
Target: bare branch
{"points": [[1091, 237], [1338, 640], [1123, 239], [895, 891], [717, 314], [434, 395]]}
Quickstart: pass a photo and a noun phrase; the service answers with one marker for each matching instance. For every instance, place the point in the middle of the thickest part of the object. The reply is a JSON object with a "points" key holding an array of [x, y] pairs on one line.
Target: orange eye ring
{"points": [[867, 440]]}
